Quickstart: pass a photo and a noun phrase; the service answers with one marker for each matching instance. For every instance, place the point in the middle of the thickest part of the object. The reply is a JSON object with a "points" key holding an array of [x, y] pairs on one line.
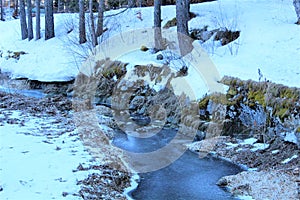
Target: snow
{"points": [[291, 137], [289, 159], [35, 163], [269, 41], [249, 141]]}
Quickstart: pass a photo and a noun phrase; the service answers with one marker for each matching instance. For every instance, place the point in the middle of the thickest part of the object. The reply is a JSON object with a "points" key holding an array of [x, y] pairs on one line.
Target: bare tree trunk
{"points": [[182, 17], [297, 9], [140, 2], [131, 3], [16, 11], [24, 30], [1, 10], [38, 20], [157, 25], [67, 6], [60, 6], [29, 17], [100, 18], [92, 23], [49, 20], [82, 32]]}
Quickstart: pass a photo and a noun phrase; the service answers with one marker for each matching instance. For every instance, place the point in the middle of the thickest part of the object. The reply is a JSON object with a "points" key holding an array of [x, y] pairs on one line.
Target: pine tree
{"points": [[182, 18], [24, 30], [92, 24], [100, 18], [1, 10], [29, 17], [38, 20], [82, 32], [157, 25], [49, 20]]}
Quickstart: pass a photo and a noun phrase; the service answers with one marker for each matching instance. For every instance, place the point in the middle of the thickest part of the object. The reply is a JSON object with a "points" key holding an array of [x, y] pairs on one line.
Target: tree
{"points": [[182, 18], [131, 3], [92, 24], [38, 20], [297, 9], [60, 6], [101, 8], [82, 32], [157, 25], [29, 18], [49, 20], [1, 10], [24, 30], [16, 11]]}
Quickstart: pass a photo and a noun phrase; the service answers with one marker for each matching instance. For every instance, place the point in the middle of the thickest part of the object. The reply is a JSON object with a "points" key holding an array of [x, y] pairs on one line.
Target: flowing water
{"points": [[187, 178]]}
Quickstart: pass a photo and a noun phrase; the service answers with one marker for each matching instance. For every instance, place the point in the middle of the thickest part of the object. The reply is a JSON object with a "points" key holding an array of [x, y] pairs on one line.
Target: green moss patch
{"points": [[171, 23]]}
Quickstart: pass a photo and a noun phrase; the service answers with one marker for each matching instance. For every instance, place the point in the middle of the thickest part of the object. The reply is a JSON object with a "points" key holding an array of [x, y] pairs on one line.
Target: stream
{"points": [[187, 178]]}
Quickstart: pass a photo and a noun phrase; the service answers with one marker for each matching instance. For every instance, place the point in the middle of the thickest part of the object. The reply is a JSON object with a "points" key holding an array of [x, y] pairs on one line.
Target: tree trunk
{"points": [[16, 10], [29, 18], [38, 20], [182, 17], [82, 32], [157, 25], [24, 30], [49, 20], [131, 3], [297, 9], [1, 10], [60, 6], [67, 6], [100, 18], [92, 23]]}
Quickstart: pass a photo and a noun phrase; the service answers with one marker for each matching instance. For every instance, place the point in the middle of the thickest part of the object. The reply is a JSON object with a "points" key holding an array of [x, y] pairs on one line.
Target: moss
{"points": [[170, 23], [117, 69], [257, 96], [289, 93], [231, 92], [222, 99], [203, 103], [282, 113], [298, 130], [144, 48]]}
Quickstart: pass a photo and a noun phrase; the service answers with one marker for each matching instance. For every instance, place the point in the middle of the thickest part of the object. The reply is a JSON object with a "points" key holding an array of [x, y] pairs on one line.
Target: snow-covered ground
{"points": [[38, 157], [269, 41]]}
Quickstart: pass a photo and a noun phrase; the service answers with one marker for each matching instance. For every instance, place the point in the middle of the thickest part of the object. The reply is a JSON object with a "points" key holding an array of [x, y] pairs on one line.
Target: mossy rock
{"points": [[257, 96], [203, 103], [171, 23], [298, 130], [144, 48]]}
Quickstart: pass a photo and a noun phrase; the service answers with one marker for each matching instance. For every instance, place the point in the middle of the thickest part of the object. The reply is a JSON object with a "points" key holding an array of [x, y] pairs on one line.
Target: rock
{"points": [[262, 185], [136, 103], [226, 36], [159, 57], [144, 48]]}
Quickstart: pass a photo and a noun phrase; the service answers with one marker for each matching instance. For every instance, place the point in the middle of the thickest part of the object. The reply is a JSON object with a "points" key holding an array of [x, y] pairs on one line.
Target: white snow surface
{"points": [[36, 163], [269, 41]]}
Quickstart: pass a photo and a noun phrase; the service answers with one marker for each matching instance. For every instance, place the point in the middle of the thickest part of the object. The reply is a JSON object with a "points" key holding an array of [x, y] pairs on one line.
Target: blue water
{"points": [[189, 177]]}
